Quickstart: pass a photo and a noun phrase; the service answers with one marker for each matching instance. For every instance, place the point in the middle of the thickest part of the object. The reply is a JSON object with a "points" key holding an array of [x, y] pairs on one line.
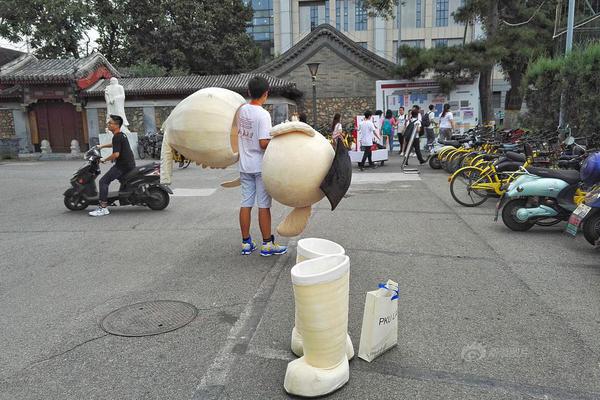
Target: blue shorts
{"points": [[253, 189]]}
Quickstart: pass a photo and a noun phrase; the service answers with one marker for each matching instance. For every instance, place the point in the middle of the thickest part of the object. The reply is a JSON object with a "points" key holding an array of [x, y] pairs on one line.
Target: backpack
{"points": [[409, 128], [426, 120], [387, 127]]}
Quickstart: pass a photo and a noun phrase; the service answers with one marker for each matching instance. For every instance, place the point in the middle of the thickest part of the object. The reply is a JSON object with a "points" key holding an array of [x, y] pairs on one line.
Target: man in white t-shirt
{"points": [[368, 133], [254, 125]]}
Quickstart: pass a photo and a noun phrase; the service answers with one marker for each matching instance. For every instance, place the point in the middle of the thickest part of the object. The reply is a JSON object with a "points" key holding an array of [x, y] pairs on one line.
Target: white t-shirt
{"points": [[367, 132], [254, 124], [402, 121], [445, 120]]}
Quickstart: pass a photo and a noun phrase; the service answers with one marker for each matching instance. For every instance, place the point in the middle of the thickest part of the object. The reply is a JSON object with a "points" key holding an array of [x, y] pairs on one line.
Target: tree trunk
{"points": [[514, 100], [485, 93]]}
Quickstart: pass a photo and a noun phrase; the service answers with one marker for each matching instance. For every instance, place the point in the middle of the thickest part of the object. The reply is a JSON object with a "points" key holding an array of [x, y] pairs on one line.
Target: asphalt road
{"points": [[528, 303]]}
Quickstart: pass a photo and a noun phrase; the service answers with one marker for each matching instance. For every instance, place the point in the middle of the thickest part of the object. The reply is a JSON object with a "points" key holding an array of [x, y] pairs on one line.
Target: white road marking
{"points": [[181, 192], [382, 177]]}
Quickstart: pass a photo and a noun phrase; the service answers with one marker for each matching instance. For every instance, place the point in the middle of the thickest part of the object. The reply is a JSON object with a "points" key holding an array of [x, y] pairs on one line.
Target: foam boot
{"points": [[310, 248], [321, 287]]}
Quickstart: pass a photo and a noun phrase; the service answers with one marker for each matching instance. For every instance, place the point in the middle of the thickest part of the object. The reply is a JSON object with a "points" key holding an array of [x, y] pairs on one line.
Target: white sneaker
{"points": [[99, 212]]}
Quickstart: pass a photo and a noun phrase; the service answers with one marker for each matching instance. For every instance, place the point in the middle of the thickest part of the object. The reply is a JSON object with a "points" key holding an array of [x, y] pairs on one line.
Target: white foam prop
{"points": [[307, 249], [203, 128], [295, 163], [321, 287]]}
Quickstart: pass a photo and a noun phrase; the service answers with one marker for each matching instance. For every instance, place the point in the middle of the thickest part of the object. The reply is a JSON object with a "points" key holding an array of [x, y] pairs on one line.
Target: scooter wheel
{"points": [[74, 202], [158, 199], [591, 228], [434, 162], [509, 216]]}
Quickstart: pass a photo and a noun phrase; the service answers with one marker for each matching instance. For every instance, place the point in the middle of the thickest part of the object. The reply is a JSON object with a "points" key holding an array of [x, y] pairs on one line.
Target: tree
{"points": [[508, 42], [53, 28], [203, 37]]}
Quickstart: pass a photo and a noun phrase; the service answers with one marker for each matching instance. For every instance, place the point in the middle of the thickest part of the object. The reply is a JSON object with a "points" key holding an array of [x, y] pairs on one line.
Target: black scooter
{"points": [[141, 186]]}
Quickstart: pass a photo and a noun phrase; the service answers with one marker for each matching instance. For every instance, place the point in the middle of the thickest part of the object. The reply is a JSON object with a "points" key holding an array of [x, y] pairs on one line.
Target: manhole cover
{"points": [[149, 318]]}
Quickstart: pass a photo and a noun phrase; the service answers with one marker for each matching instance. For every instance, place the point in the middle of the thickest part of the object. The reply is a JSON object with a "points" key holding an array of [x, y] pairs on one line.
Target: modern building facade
{"points": [[418, 23]]}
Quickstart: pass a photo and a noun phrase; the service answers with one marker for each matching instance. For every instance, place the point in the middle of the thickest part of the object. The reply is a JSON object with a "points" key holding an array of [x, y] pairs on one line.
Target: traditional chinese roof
{"points": [[326, 35], [185, 85], [7, 55], [28, 69]]}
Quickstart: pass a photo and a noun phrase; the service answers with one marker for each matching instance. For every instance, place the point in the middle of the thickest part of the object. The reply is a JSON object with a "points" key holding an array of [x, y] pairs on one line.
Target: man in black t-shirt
{"points": [[124, 162]]}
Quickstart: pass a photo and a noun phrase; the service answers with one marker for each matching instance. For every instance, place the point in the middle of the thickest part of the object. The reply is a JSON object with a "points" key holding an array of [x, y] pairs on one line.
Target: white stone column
{"points": [[285, 25], [379, 37]]}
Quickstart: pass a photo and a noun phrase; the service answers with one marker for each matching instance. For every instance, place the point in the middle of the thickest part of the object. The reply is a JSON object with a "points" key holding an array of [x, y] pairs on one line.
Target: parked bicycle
{"points": [[150, 144]]}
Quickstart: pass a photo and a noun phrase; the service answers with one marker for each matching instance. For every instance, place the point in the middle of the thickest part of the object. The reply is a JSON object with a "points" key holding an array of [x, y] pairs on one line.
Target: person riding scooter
{"points": [[124, 162]]}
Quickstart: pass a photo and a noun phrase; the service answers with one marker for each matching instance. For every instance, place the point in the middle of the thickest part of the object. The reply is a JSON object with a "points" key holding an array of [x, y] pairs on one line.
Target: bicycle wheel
{"points": [[141, 151], [461, 187]]}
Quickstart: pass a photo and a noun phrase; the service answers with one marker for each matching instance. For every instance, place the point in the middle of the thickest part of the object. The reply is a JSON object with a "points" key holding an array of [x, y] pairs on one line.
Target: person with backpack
{"points": [[428, 121], [413, 125], [387, 127], [401, 122]]}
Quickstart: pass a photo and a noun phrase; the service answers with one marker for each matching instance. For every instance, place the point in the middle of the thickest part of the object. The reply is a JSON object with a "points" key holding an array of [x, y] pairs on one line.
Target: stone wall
{"points": [[161, 114], [135, 117], [348, 107], [7, 124]]}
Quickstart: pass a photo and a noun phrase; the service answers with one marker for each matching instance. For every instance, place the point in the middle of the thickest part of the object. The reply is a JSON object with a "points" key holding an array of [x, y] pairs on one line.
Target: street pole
{"points": [[314, 85], [568, 48]]}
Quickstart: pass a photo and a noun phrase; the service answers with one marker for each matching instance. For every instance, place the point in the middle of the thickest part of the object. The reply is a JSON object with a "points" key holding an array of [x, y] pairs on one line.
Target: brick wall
{"points": [[336, 77], [7, 124]]}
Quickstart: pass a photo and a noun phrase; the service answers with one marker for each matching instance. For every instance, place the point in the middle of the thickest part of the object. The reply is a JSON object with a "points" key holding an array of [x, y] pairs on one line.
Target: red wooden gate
{"points": [[59, 123]]}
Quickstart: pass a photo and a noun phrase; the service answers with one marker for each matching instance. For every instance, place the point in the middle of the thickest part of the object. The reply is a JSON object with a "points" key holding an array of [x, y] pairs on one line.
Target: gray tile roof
{"points": [[326, 34], [7, 55], [185, 85], [32, 70]]}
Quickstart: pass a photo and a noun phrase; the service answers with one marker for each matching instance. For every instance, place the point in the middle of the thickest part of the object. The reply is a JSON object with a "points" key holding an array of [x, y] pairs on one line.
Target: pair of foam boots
{"points": [[321, 285]]}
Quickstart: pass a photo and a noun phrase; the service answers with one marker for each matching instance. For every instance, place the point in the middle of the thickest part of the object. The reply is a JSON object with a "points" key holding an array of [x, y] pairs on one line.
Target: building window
{"points": [[419, 44], [338, 15], [260, 29], [346, 15], [364, 45], [360, 16], [314, 17], [419, 15], [441, 13], [439, 42]]}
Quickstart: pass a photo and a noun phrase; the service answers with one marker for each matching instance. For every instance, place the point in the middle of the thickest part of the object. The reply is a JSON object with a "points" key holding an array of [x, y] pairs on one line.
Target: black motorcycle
{"points": [[140, 186]]}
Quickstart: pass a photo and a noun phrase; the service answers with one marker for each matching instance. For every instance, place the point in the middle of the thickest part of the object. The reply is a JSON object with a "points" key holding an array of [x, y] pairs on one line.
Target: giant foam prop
{"points": [[299, 168], [203, 128], [309, 248], [321, 287]]}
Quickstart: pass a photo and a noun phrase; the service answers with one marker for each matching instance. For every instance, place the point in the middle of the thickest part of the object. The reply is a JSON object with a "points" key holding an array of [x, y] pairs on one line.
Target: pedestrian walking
{"points": [[428, 123], [368, 133], [414, 125], [336, 129], [446, 123]]}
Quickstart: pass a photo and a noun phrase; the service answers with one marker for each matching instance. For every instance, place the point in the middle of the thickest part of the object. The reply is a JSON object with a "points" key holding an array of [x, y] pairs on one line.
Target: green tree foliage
{"points": [[578, 77], [202, 37], [53, 28], [192, 36], [508, 42]]}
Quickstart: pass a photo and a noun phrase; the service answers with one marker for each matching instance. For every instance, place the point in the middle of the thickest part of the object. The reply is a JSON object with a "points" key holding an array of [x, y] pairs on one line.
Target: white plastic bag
{"points": [[379, 330]]}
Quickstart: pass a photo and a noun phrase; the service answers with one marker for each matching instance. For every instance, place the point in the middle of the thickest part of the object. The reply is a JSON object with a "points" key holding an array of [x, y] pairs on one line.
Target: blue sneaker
{"points": [[248, 247], [269, 248]]}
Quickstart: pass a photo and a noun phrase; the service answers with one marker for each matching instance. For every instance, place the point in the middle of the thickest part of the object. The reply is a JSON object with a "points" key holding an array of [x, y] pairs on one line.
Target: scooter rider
{"points": [[124, 162]]}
